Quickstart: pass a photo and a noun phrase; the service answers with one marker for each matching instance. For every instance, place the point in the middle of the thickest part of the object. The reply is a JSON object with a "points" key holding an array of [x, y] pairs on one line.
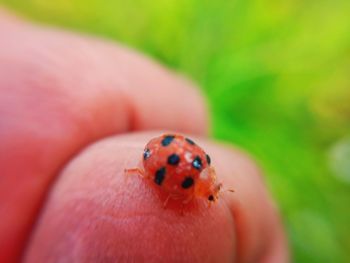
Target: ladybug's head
{"points": [[213, 194], [206, 186]]}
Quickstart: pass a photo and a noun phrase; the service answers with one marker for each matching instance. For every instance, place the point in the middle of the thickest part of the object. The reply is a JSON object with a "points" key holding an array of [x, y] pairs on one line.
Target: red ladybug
{"points": [[180, 168]]}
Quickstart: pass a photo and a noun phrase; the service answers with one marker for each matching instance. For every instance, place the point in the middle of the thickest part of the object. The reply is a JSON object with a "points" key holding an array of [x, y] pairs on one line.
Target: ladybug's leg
{"points": [[209, 204], [173, 196], [182, 209], [187, 200], [212, 173], [166, 201], [136, 170]]}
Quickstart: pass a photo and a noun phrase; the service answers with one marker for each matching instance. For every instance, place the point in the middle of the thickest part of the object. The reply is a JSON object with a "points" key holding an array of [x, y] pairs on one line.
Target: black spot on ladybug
{"points": [[197, 163], [173, 159], [146, 154], [188, 182], [159, 176], [211, 198], [167, 140], [208, 159], [190, 141]]}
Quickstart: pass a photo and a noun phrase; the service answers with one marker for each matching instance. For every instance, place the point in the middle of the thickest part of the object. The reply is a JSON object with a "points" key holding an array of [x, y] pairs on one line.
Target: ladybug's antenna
{"points": [[227, 190]]}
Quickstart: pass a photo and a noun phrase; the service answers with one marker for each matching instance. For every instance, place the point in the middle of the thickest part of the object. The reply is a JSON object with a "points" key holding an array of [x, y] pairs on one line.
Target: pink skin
{"points": [[63, 192]]}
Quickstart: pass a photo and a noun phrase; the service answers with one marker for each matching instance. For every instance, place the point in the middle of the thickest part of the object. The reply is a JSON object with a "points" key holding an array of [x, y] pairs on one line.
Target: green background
{"points": [[277, 75]]}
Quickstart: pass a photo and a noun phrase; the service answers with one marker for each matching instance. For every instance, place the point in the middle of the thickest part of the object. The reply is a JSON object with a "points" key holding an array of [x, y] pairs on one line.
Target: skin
{"points": [[74, 113]]}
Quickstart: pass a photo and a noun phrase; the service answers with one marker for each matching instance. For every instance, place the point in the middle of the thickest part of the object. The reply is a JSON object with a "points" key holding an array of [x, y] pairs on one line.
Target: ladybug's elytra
{"points": [[180, 168]]}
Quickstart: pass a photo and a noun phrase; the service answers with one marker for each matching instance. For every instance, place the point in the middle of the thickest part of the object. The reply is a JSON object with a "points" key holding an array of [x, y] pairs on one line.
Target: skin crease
{"points": [[61, 93]]}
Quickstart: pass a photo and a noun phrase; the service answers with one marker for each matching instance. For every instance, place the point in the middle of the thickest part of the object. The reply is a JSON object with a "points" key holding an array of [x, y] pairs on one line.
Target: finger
{"points": [[96, 213], [60, 92]]}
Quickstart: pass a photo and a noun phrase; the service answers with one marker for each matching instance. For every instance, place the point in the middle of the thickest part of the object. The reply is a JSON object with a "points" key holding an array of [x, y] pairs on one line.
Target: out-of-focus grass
{"points": [[277, 74]]}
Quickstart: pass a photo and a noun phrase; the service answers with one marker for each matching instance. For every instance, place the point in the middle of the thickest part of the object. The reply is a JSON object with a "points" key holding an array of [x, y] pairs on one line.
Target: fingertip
{"points": [[94, 205], [94, 213]]}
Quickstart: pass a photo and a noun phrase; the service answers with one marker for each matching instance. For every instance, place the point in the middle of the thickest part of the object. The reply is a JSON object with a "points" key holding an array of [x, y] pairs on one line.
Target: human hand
{"points": [[74, 113]]}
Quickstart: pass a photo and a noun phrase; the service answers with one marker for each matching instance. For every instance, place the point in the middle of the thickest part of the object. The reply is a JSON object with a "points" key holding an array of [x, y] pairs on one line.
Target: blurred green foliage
{"points": [[277, 75]]}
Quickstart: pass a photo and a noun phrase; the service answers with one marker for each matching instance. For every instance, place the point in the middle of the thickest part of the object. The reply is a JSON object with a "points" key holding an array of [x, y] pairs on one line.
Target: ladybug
{"points": [[180, 168]]}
